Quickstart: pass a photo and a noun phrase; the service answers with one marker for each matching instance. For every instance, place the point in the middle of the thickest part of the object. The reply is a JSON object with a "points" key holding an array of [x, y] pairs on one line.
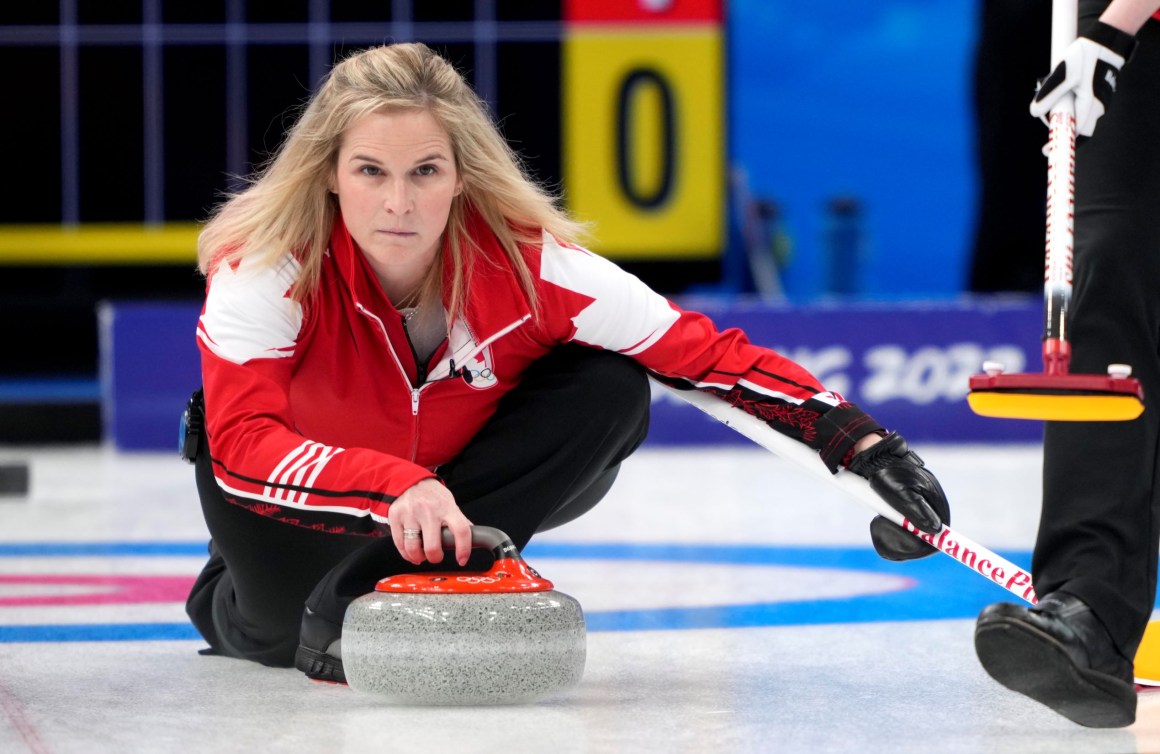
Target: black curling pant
{"points": [[549, 454], [1100, 525]]}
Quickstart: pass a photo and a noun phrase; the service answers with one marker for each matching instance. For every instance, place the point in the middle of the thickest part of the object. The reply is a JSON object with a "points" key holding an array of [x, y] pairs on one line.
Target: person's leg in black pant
{"points": [[1098, 535], [1096, 551], [548, 455], [247, 602]]}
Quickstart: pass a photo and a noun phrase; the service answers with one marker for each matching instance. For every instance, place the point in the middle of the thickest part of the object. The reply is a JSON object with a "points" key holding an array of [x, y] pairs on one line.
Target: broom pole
{"points": [[1060, 236]]}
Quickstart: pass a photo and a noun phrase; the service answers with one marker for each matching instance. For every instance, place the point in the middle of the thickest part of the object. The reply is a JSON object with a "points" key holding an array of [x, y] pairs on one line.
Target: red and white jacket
{"points": [[320, 409]]}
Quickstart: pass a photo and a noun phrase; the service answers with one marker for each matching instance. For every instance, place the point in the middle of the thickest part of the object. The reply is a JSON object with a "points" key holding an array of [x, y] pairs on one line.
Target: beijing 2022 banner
{"points": [[907, 364]]}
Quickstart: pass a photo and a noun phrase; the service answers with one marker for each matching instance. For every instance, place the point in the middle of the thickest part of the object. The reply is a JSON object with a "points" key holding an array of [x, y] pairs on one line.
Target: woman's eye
{"points": [[426, 170], [370, 170]]}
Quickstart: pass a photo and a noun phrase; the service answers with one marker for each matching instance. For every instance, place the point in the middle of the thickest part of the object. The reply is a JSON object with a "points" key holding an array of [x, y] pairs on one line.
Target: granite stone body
{"points": [[463, 649]]}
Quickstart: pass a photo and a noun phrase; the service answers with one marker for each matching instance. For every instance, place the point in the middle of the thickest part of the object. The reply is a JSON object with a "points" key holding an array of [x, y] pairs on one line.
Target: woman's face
{"points": [[395, 179]]}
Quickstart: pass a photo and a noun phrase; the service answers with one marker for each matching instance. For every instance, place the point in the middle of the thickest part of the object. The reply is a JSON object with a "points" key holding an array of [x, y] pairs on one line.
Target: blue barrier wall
{"points": [[149, 366], [907, 364]]}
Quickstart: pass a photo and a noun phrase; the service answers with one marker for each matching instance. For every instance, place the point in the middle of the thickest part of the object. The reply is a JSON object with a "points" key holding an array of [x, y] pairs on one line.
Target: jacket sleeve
{"points": [[590, 300], [248, 335]]}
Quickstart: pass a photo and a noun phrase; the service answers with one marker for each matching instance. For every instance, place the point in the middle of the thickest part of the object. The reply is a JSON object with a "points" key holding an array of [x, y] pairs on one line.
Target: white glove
{"points": [[1089, 68]]}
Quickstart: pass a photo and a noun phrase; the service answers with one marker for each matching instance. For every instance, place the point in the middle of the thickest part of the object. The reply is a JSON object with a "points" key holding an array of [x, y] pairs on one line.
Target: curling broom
{"points": [[1054, 394]]}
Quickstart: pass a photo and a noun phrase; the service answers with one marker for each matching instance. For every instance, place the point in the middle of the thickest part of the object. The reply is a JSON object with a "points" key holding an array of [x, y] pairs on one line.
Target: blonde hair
{"points": [[287, 206]]}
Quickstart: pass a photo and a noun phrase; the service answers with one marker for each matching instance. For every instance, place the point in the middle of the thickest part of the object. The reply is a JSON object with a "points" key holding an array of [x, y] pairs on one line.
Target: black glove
{"points": [[1089, 68], [899, 477]]}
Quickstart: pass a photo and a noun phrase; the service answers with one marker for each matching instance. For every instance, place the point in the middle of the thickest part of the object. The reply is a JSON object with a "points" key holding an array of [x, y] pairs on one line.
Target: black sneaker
{"points": [[1059, 654], [319, 653]]}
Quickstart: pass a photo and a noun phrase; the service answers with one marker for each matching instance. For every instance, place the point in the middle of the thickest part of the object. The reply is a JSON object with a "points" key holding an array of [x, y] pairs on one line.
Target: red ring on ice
{"points": [[106, 590]]}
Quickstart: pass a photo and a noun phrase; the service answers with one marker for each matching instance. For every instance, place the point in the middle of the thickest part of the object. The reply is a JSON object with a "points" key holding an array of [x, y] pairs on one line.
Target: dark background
{"points": [[47, 312]]}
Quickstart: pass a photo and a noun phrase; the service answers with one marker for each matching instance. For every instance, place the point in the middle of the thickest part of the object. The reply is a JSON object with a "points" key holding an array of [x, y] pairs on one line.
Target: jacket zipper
{"points": [[422, 370], [403, 373]]}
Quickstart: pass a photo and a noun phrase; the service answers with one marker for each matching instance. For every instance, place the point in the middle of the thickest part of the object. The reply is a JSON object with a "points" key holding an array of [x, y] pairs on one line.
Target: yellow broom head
{"points": [[1056, 397]]}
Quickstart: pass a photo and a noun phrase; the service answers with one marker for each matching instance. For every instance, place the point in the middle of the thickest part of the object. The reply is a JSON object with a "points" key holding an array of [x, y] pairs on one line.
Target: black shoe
{"points": [[319, 653], [1059, 654]]}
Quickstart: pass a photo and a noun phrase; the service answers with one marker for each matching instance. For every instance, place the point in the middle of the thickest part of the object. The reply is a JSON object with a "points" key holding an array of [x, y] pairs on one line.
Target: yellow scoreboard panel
{"points": [[644, 143]]}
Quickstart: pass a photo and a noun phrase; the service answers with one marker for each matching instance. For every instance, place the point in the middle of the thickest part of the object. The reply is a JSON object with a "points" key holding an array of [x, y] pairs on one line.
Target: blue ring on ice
{"points": [[942, 588]]}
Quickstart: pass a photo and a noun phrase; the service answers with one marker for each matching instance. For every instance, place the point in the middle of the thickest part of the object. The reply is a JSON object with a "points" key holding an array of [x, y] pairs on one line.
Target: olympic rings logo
{"points": [[479, 378]]}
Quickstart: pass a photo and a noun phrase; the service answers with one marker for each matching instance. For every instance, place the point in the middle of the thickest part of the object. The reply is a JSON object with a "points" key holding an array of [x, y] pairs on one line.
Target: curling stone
{"points": [[501, 636]]}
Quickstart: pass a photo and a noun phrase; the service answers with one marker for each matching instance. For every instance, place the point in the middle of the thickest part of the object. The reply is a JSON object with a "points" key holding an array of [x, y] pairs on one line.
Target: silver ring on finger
{"points": [[412, 533]]}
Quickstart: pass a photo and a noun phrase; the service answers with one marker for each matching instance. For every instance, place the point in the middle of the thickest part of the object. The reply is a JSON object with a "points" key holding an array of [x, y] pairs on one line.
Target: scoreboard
{"points": [[644, 142], [136, 118]]}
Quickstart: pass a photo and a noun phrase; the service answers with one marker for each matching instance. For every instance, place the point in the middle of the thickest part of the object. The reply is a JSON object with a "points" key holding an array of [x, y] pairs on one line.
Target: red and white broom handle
{"points": [[1060, 200], [962, 549]]}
